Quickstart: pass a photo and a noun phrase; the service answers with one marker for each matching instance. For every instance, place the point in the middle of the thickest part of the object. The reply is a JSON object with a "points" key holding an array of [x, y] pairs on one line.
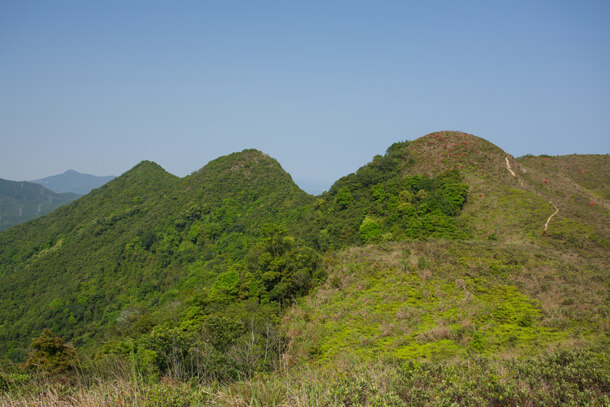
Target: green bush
{"points": [[51, 354], [370, 230]]}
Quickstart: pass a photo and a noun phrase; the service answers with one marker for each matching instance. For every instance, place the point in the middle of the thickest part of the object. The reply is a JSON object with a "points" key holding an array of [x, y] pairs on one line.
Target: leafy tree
{"points": [[344, 197], [370, 230], [225, 287]]}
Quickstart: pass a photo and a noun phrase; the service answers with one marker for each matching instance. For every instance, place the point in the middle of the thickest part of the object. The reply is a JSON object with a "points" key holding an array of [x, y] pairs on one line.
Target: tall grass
{"points": [[562, 378]]}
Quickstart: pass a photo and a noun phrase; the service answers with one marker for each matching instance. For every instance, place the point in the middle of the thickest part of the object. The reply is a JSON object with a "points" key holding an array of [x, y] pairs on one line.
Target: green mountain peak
{"points": [[242, 171], [146, 167]]}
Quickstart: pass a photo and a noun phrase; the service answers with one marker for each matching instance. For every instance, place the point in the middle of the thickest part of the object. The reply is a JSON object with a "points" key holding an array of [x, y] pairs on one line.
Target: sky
{"points": [[322, 86]]}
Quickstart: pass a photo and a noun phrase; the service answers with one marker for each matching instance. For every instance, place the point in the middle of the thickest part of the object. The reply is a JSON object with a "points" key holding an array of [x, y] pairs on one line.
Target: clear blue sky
{"points": [[322, 86]]}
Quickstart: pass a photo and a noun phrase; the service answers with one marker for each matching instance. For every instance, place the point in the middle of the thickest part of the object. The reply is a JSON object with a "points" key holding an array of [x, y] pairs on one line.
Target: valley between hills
{"points": [[445, 272]]}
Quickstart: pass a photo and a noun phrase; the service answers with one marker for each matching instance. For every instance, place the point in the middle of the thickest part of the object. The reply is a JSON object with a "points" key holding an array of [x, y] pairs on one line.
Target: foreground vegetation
{"points": [[562, 378]]}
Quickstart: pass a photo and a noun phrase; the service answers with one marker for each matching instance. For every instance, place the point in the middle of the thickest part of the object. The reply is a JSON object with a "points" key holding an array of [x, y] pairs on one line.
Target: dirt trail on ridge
{"points": [[546, 225], [508, 167]]}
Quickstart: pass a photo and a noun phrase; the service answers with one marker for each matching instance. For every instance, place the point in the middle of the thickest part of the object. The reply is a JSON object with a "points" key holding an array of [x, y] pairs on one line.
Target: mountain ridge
{"points": [[130, 224], [236, 253]]}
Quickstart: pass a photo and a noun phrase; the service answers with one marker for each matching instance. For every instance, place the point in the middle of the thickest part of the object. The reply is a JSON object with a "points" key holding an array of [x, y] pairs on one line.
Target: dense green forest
{"points": [[233, 272]]}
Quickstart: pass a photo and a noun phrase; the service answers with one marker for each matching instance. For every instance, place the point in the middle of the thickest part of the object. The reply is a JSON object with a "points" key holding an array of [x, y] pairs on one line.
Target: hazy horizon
{"points": [[320, 87]]}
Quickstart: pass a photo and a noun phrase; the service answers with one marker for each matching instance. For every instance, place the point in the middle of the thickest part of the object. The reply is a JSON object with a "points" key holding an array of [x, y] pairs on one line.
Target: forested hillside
{"points": [[445, 249]]}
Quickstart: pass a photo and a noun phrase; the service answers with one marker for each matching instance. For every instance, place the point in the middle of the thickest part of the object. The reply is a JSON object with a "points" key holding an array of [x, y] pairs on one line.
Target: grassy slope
{"points": [[446, 299], [578, 185]]}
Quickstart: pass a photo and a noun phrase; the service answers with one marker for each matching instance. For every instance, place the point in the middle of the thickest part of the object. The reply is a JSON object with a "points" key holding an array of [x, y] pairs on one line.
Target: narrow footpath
{"points": [[546, 225]]}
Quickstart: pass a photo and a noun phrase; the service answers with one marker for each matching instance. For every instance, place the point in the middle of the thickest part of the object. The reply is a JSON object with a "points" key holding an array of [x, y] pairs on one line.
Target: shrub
{"points": [[370, 230], [51, 355]]}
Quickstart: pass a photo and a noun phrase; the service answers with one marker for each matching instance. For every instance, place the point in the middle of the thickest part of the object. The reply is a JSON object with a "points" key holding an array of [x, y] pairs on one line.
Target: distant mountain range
{"points": [[73, 181], [22, 201]]}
